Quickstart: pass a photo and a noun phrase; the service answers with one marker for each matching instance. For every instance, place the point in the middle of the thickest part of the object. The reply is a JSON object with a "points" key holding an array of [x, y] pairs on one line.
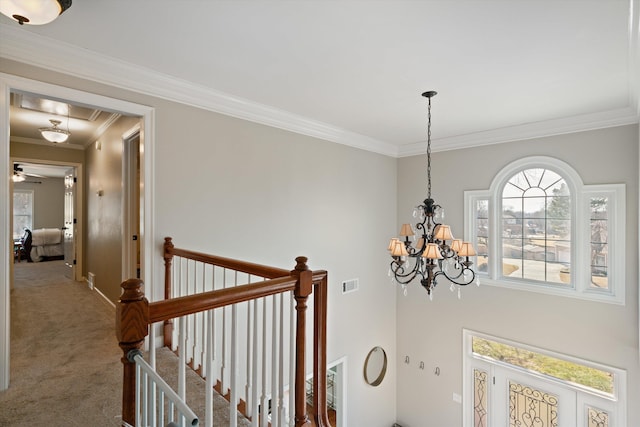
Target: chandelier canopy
{"points": [[433, 253]]}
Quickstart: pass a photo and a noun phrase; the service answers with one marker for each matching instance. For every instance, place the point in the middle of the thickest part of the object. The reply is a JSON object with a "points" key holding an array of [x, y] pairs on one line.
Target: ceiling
{"points": [[29, 112], [355, 70]]}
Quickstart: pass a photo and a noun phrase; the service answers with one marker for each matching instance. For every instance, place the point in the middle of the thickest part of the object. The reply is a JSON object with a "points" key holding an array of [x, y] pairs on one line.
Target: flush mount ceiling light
{"points": [[54, 133], [34, 12], [436, 254]]}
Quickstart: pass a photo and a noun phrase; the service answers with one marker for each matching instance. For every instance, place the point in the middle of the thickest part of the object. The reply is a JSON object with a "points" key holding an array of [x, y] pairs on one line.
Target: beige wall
{"points": [[239, 189], [603, 333], [104, 215], [46, 153]]}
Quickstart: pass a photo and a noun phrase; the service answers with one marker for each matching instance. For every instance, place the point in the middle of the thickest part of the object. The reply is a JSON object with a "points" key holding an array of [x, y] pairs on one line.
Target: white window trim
{"points": [[615, 404], [580, 199]]}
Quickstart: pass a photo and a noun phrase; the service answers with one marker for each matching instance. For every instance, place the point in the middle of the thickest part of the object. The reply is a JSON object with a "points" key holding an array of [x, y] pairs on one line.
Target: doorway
{"points": [[62, 205], [9, 84], [131, 204]]}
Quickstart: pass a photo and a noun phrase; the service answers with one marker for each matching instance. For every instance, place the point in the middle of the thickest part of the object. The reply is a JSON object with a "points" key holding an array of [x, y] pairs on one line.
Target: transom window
{"points": [[539, 228]]}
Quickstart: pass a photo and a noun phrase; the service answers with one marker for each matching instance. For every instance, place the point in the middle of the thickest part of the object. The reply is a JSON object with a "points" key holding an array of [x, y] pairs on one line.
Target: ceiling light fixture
{"points": [[18, 174], [54, 133], [436, 253], [34, 12], [18, 177]]}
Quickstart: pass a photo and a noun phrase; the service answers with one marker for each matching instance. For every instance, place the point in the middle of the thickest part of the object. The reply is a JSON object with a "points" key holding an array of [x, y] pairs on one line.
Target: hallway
{"points": [[65, 360]]}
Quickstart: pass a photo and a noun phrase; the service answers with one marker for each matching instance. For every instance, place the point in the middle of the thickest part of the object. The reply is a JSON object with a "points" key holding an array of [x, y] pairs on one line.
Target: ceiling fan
{"points": [[19, 175]]}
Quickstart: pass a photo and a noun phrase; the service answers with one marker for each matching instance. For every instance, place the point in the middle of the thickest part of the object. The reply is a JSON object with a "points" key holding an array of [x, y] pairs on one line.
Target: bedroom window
{"points": [[538, 228], [22, 212]]}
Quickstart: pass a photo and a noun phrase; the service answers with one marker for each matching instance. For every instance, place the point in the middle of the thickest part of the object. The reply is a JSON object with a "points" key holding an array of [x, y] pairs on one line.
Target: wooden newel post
{"points": [[167, 331], [301, 294], [320, 353], [132, 325]]}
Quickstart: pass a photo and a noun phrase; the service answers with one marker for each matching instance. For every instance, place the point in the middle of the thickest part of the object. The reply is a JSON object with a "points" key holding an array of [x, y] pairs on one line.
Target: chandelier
{"points": [[54, 133], [433, 254]]}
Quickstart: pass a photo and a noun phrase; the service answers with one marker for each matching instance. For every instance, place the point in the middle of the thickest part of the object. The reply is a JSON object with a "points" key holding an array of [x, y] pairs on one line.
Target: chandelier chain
{"points": [[429, 150]]}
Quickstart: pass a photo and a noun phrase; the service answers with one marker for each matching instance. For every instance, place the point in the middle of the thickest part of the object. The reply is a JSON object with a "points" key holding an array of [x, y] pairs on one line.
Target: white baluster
{"points": [[254, 363], [274, 364], [209, 373], [182, 365], [292, 358], [233, 398], [264, 405], [249, 366], [223, 360]]}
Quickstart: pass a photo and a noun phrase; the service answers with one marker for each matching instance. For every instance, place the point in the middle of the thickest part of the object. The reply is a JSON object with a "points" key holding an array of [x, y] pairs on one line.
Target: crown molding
{"points": [[582, 123], [30, 48], [26, 47], [103, 128]]}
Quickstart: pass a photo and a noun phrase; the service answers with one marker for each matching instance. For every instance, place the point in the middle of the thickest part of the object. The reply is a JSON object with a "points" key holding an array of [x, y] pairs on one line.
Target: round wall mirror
{"points": [[375, 366]]}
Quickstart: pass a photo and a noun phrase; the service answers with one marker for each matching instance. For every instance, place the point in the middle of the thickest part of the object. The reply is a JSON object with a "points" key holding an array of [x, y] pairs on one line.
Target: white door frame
{"points": [[79, 203], [129, 179], [9, 83]]}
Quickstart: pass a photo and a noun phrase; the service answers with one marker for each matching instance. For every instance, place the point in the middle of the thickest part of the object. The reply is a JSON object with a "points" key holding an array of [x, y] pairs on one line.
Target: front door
{"points": [[521, 399]]}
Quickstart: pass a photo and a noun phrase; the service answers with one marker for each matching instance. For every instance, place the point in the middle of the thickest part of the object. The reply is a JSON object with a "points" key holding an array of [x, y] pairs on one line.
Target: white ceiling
{"points": [[354, 70]]}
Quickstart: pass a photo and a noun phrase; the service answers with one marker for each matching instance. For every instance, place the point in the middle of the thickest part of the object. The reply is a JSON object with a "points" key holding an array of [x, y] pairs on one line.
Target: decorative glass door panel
{"points": [[480, 397], [523, 400], [531, 407]]}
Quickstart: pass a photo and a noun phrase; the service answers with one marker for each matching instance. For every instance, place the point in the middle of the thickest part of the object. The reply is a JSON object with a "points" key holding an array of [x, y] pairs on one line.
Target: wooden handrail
{"points": [[232, 264], [190, 304]]}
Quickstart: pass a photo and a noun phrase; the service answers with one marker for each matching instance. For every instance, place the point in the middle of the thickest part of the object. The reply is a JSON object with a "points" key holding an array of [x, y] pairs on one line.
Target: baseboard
{"points": [[103, 296]]}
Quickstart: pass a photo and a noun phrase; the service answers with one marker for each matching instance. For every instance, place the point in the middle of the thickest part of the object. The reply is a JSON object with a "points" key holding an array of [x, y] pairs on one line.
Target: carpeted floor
{"points": [[65, 360]]}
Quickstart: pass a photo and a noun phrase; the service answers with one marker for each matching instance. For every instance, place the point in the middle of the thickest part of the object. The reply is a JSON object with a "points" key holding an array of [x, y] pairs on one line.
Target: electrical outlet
{"points": [[457, 398]]}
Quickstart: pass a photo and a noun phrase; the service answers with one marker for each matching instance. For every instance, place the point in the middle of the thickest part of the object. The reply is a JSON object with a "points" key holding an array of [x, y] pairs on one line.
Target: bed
{"points": [[43, 244]]}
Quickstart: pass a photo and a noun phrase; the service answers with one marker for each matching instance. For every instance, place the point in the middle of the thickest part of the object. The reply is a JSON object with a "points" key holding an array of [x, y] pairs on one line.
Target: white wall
{"points": [[432, 331], [239, 189]]}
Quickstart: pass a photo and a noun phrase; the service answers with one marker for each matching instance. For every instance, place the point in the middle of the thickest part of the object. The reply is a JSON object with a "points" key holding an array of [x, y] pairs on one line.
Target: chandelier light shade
{"points": [[54, 133], [34, 12], [433, 253]]}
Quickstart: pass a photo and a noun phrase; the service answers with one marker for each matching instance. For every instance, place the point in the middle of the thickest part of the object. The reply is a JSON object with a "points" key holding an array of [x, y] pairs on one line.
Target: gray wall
{"points": [[603, 333], [48, 203]]}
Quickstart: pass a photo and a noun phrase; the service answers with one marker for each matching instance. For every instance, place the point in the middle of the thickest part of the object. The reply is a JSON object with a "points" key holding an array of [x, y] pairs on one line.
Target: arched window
{"points": [[536, 226], [539, 228]]}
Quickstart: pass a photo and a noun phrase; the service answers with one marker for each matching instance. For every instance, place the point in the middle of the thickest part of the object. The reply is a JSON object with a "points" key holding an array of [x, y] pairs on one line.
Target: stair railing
{"points": [[136, 315]]}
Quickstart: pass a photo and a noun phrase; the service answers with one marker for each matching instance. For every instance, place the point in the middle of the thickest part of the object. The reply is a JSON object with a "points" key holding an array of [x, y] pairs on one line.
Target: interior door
{"points": [[131, 226], [70, 223]]}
